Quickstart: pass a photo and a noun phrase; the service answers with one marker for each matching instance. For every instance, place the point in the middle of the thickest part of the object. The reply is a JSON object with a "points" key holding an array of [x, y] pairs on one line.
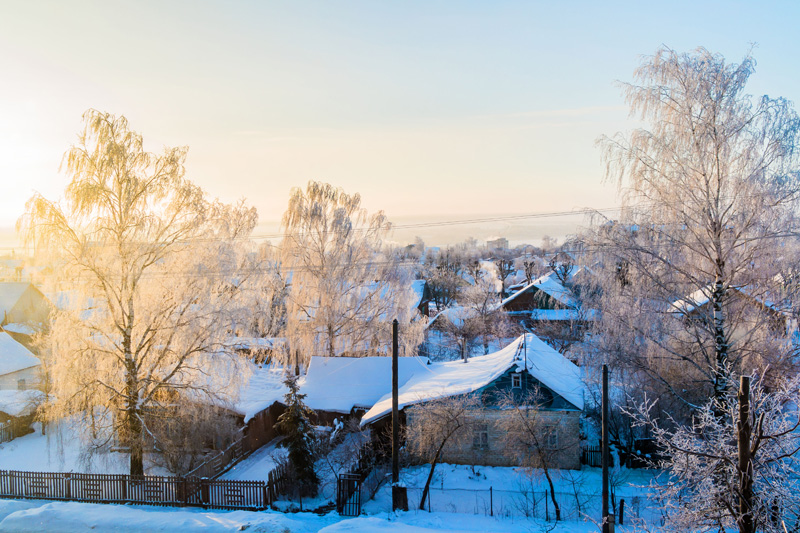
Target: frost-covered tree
{"points": [[710, 188], [735, 471], [344, 292], [151, 265]]}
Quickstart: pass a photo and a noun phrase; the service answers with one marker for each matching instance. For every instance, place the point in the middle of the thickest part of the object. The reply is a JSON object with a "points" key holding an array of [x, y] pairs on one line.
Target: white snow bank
{"points": [[340, 383], [20, 402], [440, 380], [72, 516], [14, 356]]}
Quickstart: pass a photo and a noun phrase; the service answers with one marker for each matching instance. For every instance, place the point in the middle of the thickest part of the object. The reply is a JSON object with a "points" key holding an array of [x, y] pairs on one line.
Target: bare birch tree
{"points": [[344, 292], [710, 191], [153, 262]]}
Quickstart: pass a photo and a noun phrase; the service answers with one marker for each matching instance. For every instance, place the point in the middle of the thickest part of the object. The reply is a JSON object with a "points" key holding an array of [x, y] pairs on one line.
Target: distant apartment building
{"points": [[500, 243]]}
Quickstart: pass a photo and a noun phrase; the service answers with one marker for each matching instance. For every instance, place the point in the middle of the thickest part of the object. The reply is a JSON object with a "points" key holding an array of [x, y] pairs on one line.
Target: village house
{"points": [[19, 374], [527, 368], [550, 310], [24, 311]]}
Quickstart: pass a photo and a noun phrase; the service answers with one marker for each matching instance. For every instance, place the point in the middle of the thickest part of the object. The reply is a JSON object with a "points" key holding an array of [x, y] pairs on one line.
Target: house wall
{"points": [[533, 298], [11, 381], [500, 451]]}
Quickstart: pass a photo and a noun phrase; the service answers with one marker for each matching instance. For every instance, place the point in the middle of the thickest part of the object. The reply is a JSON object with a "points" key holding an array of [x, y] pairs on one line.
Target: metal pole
{"points": [[395, 412], [604, 451]]}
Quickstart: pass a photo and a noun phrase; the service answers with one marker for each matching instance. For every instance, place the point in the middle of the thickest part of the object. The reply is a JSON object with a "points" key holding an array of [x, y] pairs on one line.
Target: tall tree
{"points": [[710, 190], [155, 260], [344, 291]]}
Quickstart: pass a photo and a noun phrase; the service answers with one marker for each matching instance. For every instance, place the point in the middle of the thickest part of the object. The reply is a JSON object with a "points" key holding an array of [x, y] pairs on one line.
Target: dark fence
{"points": [[150, 490]]}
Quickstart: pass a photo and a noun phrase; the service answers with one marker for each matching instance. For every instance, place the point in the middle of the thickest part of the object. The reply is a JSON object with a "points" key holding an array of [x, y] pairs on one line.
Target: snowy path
{"points": [[258, 466]]}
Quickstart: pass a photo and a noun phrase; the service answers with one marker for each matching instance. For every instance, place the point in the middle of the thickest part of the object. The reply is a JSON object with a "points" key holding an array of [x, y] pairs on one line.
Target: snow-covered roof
{"points": [[264, 388], [19, 402], [455, 315], [555, 315], [452, 378], [549, 285], [14, 356], [341, 383], [25, 329], [418, 286], [255, 343], [702, 296]]}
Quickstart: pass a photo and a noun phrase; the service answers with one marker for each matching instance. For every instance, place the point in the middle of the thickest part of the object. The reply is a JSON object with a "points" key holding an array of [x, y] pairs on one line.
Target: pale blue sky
{"points": [[450, 108]]}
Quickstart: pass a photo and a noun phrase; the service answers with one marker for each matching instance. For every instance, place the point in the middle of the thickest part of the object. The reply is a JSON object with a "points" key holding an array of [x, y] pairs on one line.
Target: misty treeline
{"points": [[687, 288]]}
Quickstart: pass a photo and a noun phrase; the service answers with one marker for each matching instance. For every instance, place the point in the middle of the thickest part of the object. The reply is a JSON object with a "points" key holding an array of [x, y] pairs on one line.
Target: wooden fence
{"points": [[149, 490]]}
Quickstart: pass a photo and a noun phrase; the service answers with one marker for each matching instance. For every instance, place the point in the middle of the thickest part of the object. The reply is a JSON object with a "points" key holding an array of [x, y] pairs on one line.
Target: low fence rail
{"points": [[148, 490]]}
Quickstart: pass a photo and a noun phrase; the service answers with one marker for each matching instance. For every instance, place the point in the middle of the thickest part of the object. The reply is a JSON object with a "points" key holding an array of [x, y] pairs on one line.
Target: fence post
{"points": [[491, 502], [204, 492], [68, 486], [123, 483], [621, 511]]}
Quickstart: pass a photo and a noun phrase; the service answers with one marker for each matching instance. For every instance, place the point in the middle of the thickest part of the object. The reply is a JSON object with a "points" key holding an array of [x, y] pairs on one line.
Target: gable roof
{"points": [[10, 293], [453, 378], [14, 356], [549, 285], [341, 383]]}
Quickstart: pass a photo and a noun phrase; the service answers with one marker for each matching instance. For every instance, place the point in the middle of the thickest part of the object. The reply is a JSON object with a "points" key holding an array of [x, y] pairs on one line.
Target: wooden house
{"points": [[526, 368]]}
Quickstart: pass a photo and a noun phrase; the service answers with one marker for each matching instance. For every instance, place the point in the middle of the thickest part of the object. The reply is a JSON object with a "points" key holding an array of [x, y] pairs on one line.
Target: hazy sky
{"points": [[435, 108]]}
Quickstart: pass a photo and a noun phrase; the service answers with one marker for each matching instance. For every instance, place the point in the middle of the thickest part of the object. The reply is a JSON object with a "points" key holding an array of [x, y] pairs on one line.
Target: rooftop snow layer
{"points": [[264, 388], [340, 383], [549, 285], [24, 329], [14, 356], [441, 380], [19, 402]]}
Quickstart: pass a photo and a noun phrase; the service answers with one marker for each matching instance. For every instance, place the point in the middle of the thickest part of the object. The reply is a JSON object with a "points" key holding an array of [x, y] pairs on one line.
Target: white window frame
{"points": [[516, 380], [480, 437]]}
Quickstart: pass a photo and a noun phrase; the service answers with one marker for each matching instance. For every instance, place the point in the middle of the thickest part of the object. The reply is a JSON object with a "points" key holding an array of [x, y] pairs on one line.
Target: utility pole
{"points": [[399, 494], [608, 520]]}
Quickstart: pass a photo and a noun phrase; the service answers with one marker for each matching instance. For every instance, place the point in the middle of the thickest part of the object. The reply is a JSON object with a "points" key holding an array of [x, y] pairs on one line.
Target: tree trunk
{"points": [[552, 493], [430, 475], [720, 351], [745, 468]]}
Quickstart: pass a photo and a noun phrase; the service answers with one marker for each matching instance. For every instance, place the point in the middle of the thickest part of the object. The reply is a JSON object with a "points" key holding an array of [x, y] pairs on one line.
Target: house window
{"points": [[550, 436], [516, 381], [21, 384], [480, 437]]}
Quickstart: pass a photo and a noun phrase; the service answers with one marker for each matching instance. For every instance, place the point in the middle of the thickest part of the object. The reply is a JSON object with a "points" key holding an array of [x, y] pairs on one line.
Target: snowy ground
{"points": [[17, 516], [61, 450], [516, 493]]}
